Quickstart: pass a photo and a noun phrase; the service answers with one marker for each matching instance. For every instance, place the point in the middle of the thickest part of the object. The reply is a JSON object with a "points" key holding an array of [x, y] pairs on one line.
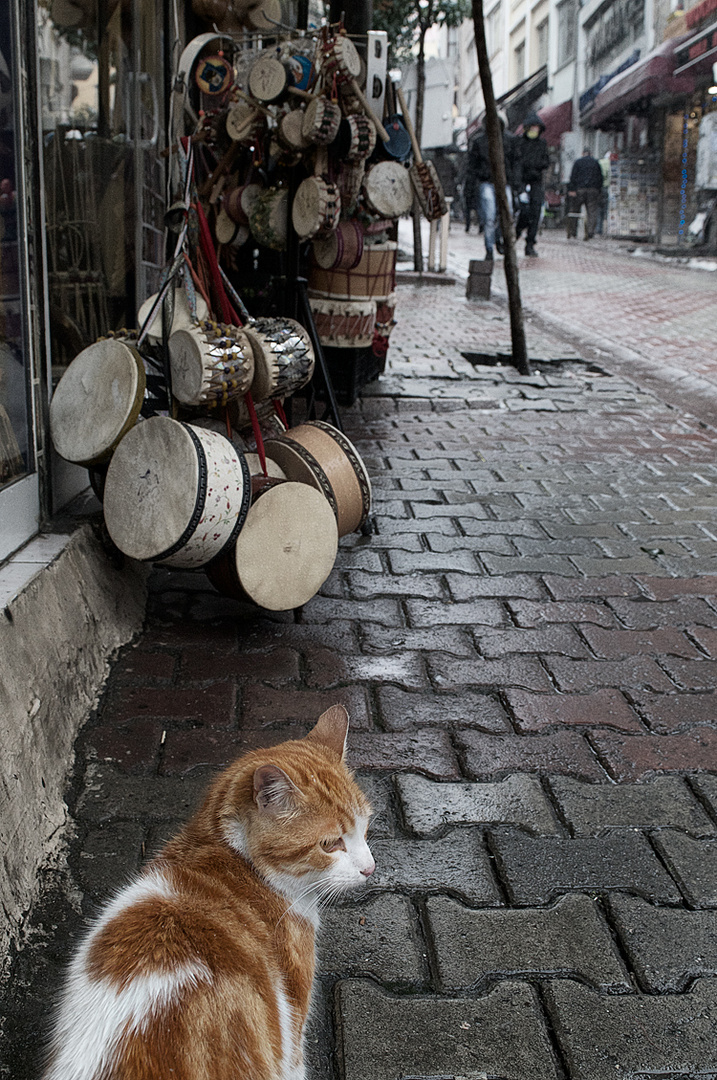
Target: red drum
{"points": [[342, 249], [344, 324]]}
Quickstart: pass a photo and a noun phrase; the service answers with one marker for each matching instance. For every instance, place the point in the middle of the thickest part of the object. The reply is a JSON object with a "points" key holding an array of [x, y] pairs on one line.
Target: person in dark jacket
{"points": [[480, 168], [584, 188], [535, 158]]}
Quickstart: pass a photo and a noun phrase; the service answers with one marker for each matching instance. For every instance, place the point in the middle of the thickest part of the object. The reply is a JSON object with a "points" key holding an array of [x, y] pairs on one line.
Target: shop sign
{"points": [[699, 12], [697, 47], [589, 95], [613, 27]]}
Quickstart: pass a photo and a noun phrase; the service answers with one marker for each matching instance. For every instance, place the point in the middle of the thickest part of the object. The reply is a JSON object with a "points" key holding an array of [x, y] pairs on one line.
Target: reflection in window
{"points": [[103, 176], [15, 453]]}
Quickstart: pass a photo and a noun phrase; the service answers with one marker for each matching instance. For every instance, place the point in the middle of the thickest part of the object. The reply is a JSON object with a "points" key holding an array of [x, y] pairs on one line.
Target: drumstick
{"points": [[252, 102], [381, 130], [409, 126], [301, 93]]}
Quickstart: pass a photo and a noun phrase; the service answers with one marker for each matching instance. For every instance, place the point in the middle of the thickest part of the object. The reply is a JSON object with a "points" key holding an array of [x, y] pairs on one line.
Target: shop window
{"points": [[541, 44], [16, 446], [567, 31], [101, 106]]}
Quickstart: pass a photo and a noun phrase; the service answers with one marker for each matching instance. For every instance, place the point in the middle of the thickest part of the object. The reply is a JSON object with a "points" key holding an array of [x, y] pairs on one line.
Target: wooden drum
{"points": [[285, 551], [176, 494], [97, 401], [316, 207], [320, 455], [373, 276], [356, 138], [341, 58], [283, 357], [387, 189], [181, 319], [211, 363], [321, 121], [269, 218], [342, 249], [344, 324]]}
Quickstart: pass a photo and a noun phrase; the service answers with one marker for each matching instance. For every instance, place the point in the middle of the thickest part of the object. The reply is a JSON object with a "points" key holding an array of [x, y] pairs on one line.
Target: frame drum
{"points": [[318, 454], [97, 401], [284, 553], [176, 494], [283, 357], [387, 189], [211, 363]]}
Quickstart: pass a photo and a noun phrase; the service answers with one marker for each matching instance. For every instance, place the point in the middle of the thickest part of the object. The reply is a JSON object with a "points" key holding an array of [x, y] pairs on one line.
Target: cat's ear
{"points": [[332, 729], [274, 792]]}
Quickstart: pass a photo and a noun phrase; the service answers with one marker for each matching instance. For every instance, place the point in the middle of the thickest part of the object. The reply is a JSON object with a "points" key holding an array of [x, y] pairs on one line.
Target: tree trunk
{"points": [[497, 164]]}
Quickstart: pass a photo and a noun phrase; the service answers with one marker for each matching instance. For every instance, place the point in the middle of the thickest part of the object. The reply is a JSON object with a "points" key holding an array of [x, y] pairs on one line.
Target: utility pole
{"points": [[497, 164]]}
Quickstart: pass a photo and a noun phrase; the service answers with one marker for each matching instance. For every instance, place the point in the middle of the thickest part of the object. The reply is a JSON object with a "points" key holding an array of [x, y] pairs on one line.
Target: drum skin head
{"points": [[97, 399], [287, 548]]}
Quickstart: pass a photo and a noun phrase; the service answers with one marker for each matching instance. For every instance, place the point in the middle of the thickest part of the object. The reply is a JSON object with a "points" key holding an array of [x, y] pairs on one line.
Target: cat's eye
{"points": [[333, 844]]}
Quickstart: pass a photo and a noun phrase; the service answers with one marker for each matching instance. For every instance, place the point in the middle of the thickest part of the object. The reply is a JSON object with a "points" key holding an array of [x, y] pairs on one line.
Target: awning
{"points": [[517, 102], [557, 119], [647, 78]]}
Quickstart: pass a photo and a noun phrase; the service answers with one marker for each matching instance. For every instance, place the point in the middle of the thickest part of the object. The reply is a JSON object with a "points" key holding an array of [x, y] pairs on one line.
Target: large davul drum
{"points": [[176, 493]]}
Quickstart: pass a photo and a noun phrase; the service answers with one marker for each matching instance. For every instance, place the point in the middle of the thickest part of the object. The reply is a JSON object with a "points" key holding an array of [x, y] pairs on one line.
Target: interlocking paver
{"points": [[502, 1034], [569, 939], [377, 936], [562, 640], [633, 757], [667, 947], [517, 800], [536, 870], [591, 809], [403, 710], [529, 613], [635, 673], [640, 1036], [694, 864], [423, 613], [492, 756], [524, 671], [602, 708], [616, 644], [668, 713], [457, 863]]}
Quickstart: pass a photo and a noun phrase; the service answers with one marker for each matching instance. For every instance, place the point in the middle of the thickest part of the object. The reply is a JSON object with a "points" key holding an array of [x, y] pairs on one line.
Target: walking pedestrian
{"points": [[534, 160], [584, 187], [481, 168]]}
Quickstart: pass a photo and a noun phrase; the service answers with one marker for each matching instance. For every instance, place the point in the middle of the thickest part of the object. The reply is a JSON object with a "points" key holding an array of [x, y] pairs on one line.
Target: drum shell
{"points": [[211, 363], [324, 454], [356, 139], [344, 324], [374, 275], [285, 552], [429, 190], [97, 401], [342, 250], [177, 494], [283, 357]]}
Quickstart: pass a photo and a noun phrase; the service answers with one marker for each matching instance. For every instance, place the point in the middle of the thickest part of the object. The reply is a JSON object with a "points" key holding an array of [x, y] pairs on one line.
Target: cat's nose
{"points": [[368, 870]]}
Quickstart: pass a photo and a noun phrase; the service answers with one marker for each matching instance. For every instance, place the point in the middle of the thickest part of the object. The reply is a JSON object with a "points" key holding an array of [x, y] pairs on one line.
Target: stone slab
{"points": [[570, 939], [693, 863], [633, 1035], [535, 870], [667, 802], [385, 1037], [457, 863], [377, 936], [517, 800], [667, 947]]}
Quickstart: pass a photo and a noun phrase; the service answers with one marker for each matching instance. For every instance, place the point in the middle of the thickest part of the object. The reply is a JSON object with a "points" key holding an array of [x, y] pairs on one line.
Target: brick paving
{"points": [[526, 644]]}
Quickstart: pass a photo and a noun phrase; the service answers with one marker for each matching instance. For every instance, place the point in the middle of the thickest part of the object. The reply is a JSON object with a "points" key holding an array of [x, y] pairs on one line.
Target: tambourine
{"points": [[176, 493], [211, 364], [283, 357], [97, 401], [316, 207], [318, 454], [214, 75], [321, 121], [285, 551]]}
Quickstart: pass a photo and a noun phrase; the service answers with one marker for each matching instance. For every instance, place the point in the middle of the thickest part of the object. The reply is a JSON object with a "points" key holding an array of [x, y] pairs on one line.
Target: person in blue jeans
{"points": [[481, 168]]}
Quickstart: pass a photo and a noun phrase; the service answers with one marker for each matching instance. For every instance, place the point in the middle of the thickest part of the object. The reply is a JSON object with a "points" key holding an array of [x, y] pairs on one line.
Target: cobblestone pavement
{"points": [[527, 645], [637, 314]]}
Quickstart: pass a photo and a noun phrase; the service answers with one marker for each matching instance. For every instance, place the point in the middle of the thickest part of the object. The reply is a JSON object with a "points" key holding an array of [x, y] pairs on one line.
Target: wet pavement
{"points": [[527, 646]]}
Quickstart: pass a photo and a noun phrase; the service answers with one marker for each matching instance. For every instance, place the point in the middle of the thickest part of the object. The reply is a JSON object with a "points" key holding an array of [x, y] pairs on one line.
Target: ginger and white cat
{"points": [[202, 968]]}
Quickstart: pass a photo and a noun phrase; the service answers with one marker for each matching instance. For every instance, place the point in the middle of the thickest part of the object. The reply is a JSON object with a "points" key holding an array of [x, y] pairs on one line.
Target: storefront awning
{"points": [[557, 119], [517, 102], [647, 78]]}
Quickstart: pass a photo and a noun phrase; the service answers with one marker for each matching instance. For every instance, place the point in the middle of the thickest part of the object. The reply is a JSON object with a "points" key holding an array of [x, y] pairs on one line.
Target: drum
{"points": [[342, 249], [269, 423], [320, 455], [356, 138], [266, 15], [316, 207], [345, 324], [211, 363], [227, 232], [373, 276], [283, 357], [273, 470], [214, 75], [387, 189], [350, 180], [269, 77], [429, 190], [290, 132], [176, 494], [321, 121], [269, 218], [97, 401], [243, 122], [285, 551], [398, 146], [182, 318], [341, 59]]}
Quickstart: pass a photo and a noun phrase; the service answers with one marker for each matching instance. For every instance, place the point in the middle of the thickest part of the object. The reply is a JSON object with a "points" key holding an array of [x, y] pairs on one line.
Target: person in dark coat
{"points": [[480, 167], [584, 189], [535, 158]]}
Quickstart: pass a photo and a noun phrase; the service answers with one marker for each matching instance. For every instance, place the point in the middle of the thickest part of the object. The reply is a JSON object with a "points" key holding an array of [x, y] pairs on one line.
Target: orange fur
{"points": [[214, 943]]}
